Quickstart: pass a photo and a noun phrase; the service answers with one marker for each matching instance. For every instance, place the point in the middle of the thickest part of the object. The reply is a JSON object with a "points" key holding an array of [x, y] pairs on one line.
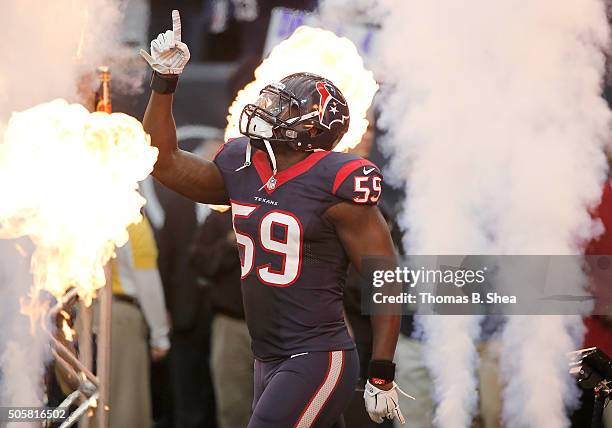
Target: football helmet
{"points": [[303, 110]]}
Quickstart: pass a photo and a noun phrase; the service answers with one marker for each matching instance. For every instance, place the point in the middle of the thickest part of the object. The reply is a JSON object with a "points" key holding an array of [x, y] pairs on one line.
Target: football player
{"points": [[301, 214]]}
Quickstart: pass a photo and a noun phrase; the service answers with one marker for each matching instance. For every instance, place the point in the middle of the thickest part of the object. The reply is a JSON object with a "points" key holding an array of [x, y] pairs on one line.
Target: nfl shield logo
{"points": [[271, 183]]}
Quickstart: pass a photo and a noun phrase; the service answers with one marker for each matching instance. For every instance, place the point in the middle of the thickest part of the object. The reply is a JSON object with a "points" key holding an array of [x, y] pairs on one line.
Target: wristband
{"points": [[381, 372], [164, 83]]}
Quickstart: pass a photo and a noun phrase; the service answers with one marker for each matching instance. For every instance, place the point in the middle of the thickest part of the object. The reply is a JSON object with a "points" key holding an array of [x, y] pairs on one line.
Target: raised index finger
{"points": [[176, 25]]}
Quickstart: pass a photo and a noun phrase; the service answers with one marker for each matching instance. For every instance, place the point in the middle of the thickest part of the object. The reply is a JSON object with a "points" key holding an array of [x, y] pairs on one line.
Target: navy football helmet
{"points": [[305, 111]]}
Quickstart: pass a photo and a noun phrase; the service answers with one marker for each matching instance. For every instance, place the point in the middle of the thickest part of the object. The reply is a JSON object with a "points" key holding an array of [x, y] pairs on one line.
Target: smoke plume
{"points": [[51, 49], [20, 380], [496, 130]]}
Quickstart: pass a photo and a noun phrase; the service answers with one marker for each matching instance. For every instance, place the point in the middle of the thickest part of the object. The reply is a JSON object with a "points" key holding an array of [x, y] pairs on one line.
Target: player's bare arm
{"points": [[364, 232], [183, 172]]}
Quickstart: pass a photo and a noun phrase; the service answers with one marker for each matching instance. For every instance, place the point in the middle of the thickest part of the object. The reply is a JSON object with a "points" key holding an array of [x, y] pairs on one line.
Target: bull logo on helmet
{"points": [[331, 109]]}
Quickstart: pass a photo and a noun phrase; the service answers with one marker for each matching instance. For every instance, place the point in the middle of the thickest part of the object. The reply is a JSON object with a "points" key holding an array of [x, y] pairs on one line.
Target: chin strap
{"points": [[247, 160], [271, 183]]}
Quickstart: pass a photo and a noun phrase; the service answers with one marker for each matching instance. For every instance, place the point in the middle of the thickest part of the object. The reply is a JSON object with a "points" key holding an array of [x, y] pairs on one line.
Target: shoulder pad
{"points": [[231, 154]]}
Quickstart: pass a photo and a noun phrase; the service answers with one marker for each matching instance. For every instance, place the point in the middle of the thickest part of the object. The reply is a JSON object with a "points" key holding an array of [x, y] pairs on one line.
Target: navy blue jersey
{"points": [[293, 265]]}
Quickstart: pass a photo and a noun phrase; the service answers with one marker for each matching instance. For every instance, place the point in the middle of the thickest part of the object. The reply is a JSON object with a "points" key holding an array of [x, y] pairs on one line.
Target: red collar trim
{"points": [[262, 165]]}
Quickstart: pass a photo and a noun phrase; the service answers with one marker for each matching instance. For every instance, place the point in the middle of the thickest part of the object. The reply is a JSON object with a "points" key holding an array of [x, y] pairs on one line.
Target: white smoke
{"points": [[534, 364], [50, 49], [450, 354], [496, 129], [21, 354]]}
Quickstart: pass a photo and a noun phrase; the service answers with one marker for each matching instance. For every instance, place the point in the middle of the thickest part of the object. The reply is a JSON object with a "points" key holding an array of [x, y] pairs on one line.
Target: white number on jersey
{"points": [[290, 248]]}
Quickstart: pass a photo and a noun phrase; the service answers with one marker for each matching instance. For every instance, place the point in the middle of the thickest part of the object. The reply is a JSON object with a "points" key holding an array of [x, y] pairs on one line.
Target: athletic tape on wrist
{"points": [[164, 83], [381, 372]]}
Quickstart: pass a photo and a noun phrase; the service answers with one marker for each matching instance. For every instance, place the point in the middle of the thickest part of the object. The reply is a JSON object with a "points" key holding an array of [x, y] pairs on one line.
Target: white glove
{"points": [[382, 404], [168, 54]]}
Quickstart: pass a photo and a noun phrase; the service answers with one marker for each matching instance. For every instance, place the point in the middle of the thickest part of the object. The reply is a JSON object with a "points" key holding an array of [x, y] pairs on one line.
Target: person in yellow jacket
{"points": [[139, 327]]}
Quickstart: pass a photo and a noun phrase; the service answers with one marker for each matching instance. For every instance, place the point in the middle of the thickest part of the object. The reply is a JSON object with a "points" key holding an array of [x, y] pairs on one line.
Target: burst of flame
{"points": [[219, 208], [321, 52], [68, 181], [35, 309], [68, 333]]}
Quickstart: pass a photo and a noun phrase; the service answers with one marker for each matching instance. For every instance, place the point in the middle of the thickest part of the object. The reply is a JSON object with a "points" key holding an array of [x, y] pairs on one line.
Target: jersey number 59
{"points": [[289, 248], [364, 192]]}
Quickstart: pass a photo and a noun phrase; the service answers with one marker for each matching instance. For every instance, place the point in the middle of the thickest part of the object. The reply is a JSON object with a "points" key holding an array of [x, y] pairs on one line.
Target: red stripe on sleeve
{"points": [[346, 170]]}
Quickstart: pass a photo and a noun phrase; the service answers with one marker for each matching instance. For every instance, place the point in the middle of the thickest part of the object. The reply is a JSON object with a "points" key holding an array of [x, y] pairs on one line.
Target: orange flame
{"points": [[72, 189], [321, 52], [36, 310], [219, 208], [68, 332]]}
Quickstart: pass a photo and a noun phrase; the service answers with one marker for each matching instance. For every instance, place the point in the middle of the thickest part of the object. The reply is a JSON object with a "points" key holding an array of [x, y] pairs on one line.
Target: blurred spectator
{"points": [[255, 29], [215, 257], [189, 306], [215, 30], [250, 19], [139, 327], [161, 394]]}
